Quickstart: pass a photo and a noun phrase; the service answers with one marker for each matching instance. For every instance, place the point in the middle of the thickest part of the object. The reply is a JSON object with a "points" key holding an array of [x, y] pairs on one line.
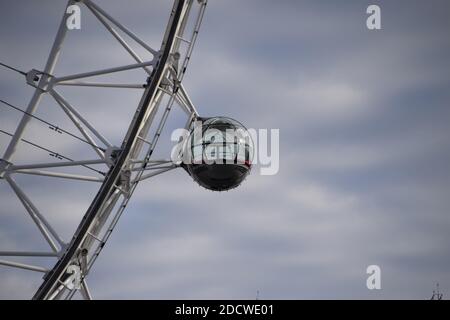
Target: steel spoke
{"points": [[23, 266], [43, 225]]}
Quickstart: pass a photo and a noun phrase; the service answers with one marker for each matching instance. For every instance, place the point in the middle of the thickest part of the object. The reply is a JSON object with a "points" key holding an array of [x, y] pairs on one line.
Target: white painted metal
{"points": [[59, 175], [55, 164], [102, 85], [90, 4], [85, 292], [69, 111], [67, 106], [103, 71], [23, 266], [117, 36], [152, 174], [37, 217], [49, 68], [27, 254], [133, 158]]}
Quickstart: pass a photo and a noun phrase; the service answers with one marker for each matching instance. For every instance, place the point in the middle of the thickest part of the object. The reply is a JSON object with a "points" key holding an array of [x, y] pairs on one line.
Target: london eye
{"points": [[216, 161]]}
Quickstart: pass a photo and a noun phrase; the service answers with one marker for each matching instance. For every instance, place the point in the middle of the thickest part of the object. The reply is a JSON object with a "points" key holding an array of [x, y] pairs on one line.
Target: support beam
{"points": [[155, 173], [92, 5], [85, 134], [67, 106], [23, 266], [102, 85], [43, 82], [118, 38], [60, 175], [55, 164], [152, 167], [58, 292], [85, 292], [103, 71], [187, 99], [96, 210], [27, 254], [37, 217], [153, 162]]}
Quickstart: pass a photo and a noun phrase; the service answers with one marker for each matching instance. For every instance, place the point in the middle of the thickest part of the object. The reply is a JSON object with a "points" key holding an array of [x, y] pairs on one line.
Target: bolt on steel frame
{"points": [[126, 165]]}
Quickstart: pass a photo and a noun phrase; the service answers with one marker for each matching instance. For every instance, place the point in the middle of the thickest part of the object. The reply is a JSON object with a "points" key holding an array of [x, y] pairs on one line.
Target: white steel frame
{"points": [[132, 162]]}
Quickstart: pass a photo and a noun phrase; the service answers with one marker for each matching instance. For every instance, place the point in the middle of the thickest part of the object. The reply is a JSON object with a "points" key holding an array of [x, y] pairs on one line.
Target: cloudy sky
{"points": [[364, 152]]}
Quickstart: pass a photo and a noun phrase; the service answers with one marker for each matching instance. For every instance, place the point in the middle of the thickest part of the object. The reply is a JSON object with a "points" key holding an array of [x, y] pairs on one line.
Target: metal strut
{"points": [[128, 164], [53, 277]]}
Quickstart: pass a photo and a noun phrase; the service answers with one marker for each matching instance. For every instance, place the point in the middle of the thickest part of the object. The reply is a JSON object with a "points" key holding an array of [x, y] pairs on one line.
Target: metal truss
{"points": [[124, 166]]}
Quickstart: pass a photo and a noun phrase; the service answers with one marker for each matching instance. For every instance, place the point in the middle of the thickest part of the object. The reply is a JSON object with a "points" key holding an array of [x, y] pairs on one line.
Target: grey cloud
{"points": [[363, 119]]}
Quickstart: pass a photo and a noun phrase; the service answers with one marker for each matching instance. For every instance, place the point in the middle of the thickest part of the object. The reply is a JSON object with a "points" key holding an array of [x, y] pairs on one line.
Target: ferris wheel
{"points": [[117, 170]]}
